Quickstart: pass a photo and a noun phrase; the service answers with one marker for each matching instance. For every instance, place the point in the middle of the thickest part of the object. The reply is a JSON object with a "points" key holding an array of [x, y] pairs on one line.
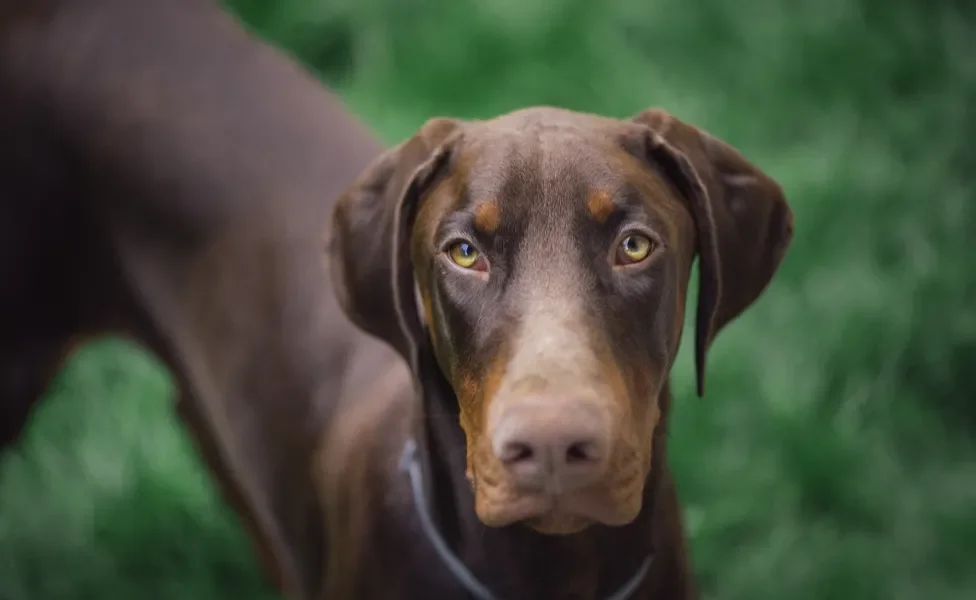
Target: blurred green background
{"points": [[834, 457]]}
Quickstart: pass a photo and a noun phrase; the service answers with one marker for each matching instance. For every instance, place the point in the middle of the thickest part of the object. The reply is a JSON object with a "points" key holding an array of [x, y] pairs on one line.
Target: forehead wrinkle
{"points": [[540, 176], [545, 188], [499, 166], [575, 163]]}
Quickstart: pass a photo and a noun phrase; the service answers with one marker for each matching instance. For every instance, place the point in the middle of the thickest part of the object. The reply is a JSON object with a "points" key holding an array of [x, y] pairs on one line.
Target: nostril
{"points": [[516, 452], [581, 452]]}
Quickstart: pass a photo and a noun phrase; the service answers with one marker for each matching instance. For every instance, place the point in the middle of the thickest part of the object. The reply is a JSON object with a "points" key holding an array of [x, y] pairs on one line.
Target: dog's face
{"points": [[550, 252], [552, 266]]}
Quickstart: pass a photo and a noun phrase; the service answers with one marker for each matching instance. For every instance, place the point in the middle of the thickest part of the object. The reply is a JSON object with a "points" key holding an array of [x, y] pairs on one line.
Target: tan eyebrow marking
{"points": [[600, 204], [487, 217]]}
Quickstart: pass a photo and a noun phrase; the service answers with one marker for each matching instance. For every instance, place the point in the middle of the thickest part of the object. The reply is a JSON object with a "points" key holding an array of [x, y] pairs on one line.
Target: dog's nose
{"points": [[550, 444]]}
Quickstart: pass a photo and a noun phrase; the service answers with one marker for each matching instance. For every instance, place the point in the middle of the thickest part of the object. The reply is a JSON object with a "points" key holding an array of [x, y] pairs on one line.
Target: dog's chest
{"points": [[406, 566]]}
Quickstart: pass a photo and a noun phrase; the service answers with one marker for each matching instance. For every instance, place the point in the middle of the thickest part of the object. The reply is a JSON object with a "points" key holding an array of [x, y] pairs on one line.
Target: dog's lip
{"points": [[523, 508], [584, 505]]}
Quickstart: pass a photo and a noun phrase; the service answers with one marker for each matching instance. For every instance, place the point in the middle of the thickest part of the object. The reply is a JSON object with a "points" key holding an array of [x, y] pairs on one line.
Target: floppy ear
{"points": [[369, 243], [743, 221]]}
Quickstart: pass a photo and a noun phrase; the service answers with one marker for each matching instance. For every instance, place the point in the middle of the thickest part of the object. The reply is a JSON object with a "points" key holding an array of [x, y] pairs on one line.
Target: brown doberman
{"points": [[165, 175], [532, 270]]}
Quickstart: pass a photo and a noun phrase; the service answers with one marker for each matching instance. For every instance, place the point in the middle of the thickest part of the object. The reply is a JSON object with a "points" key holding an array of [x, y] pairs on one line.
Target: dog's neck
{"points": [[514, 561]]}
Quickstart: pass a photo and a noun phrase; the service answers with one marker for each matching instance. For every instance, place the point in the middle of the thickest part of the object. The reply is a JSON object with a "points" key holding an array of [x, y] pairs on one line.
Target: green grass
{"points": [[834, 456]]}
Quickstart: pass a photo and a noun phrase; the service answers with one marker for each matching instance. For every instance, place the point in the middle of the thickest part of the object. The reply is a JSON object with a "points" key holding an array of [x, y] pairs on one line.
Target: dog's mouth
{"points": [[554, 503], [554, 514]]}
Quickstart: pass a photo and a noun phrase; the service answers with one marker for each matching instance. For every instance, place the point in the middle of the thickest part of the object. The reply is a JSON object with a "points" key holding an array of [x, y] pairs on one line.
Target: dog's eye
{"points": [[633, 249], [466, 256]]}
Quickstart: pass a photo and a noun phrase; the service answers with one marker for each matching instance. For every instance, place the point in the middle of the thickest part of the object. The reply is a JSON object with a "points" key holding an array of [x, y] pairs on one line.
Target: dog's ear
{"points": [[743, 222], [369, 243]]}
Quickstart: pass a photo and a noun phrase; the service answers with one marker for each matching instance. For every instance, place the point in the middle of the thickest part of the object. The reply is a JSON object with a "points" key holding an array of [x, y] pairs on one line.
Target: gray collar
{"points": [[411, 466]]}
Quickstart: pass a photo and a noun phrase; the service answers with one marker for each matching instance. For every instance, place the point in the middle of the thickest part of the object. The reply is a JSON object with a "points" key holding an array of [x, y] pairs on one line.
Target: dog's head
{"points": [[546, 254]]}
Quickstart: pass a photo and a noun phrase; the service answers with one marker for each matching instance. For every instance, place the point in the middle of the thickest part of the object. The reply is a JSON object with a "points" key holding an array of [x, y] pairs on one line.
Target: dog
{"points": [[164, 175], [528, 275]]}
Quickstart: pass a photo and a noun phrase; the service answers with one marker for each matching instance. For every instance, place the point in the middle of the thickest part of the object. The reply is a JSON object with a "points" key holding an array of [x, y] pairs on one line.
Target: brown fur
{"points": [[163, 176], [549, 317]]}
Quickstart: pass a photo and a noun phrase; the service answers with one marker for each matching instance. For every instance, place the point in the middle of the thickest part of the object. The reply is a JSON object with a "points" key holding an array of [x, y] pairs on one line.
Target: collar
{"points": [[410, 464]]}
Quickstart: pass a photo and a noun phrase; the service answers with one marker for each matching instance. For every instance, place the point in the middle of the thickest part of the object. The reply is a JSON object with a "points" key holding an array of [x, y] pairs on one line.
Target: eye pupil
{"points": [[633, 249], [464, 254], [632, 244]]}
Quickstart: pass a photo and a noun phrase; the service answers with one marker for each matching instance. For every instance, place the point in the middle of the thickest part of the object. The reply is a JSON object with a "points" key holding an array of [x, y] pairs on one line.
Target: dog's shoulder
{"points": [[357, 454]]}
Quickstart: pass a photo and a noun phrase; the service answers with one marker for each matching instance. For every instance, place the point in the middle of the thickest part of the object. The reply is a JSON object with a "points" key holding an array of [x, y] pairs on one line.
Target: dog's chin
{"points": [[555, 515], [554, 523]]}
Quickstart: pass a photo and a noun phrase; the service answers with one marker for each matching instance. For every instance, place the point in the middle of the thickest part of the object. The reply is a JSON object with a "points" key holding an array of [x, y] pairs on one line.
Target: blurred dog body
{"points": [[164, 176]]}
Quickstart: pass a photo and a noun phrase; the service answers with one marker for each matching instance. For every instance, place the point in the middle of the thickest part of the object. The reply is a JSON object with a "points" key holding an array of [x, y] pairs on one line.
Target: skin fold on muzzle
{"points": [[545, 256]]}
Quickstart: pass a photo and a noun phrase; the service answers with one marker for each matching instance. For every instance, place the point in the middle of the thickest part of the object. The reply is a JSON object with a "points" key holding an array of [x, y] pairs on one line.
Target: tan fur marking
{"points": [[429, 316], [600, 204], [636, 418], [474, 397], [487, 217]]}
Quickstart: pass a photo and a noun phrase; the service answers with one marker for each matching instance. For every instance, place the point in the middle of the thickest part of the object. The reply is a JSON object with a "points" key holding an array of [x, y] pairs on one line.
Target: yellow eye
{"points": [[633, 249], [465, 255]]}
